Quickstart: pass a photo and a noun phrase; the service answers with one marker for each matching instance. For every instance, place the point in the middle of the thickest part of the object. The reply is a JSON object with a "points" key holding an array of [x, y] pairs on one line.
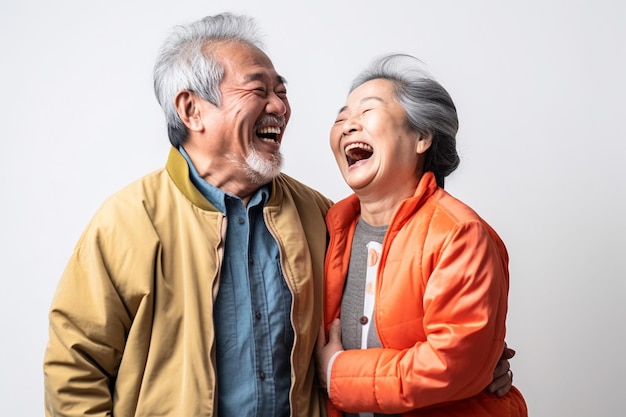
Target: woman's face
{"points": [[372, 143]]}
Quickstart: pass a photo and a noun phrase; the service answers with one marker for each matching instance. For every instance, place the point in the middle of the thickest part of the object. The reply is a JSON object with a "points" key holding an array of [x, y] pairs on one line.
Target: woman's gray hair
{"points": [[184, 63], [428, 106]]}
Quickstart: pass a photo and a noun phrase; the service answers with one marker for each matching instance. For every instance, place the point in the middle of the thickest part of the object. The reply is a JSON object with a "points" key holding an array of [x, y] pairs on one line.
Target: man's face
{"points": [[248, 127]]}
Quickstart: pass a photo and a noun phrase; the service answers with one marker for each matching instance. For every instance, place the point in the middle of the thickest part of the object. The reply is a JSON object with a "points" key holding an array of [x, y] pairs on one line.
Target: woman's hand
{"points": [[325, 351]]}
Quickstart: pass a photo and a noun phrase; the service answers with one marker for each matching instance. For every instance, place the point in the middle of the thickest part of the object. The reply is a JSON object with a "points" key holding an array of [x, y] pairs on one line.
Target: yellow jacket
{"points": [[440, 311], [131, 324]]}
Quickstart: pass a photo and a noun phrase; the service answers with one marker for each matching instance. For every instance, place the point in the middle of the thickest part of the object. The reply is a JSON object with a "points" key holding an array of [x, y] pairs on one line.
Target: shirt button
{"points": [[240, 220], [262, 375], [257, 315], [364, 320]]}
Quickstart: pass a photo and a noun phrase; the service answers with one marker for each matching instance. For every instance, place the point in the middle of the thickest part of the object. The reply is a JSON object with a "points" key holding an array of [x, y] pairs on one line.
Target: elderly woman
{"points": [[416, 282]]}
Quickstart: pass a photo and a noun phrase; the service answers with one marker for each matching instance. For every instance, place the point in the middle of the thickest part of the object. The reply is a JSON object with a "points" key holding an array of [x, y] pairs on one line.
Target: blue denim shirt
{"points": [[253, 331]]}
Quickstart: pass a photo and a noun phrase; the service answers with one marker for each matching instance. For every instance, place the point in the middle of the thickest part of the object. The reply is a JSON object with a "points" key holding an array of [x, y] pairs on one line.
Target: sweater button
{"points": [[364, 320]]}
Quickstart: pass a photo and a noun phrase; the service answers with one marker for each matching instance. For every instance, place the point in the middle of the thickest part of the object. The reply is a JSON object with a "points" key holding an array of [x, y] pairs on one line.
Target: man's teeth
{"points": [[363, 146], [268, 130]]}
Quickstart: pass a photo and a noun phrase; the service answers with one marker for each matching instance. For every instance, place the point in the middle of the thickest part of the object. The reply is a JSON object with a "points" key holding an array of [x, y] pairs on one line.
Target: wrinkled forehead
{"points": [[379, 87], [377, 90], [243, 60]]}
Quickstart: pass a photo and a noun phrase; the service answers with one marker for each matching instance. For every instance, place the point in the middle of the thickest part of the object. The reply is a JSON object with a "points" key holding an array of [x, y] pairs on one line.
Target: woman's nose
{"points": [[350, 126]]}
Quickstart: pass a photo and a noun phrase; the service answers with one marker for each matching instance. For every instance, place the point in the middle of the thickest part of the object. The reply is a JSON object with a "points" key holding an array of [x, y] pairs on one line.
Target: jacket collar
{"points": [[425, 189], [178, 170], [344, 213]]}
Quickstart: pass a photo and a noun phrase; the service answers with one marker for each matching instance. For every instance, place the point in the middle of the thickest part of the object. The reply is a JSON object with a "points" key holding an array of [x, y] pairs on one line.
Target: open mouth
{"points": [[268, 133], [356, 152]]}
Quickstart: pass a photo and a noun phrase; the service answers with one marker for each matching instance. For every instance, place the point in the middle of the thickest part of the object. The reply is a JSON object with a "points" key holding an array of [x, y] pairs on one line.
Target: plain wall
{"points": [[539, 87]]}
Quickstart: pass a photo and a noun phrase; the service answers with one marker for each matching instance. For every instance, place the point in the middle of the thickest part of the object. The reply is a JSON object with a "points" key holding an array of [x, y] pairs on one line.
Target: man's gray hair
{"points": [[185, 63]]}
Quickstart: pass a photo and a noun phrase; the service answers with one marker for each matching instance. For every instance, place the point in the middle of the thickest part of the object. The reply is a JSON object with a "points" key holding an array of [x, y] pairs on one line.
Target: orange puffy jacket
{"points": [[440, 311]]}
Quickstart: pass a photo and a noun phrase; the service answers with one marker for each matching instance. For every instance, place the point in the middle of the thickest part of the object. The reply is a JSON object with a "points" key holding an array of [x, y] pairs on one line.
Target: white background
{"points": [[540, 91]]}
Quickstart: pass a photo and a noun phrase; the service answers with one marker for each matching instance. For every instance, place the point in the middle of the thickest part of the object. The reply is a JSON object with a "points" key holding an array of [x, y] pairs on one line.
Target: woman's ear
{"points": [[423, 142], [187, 107]]}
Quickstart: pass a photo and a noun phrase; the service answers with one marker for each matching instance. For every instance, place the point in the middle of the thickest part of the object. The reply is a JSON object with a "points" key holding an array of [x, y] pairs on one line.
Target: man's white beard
{"points": [[260, 170]]}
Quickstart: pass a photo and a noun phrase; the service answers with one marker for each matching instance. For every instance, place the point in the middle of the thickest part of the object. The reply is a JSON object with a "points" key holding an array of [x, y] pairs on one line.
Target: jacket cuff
{"points": [[329, 368]]}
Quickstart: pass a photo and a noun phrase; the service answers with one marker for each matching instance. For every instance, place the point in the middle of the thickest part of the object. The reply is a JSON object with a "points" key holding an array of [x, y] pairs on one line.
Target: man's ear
{"points": [[423, 143], [188, 109]]}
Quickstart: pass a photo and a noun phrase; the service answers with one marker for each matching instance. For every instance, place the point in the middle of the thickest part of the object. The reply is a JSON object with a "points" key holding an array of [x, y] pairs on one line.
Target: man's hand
{"points": [[325, 351], [502, 375]]}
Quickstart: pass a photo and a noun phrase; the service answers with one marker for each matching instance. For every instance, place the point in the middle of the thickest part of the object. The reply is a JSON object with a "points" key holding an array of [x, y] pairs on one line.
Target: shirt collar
{"points": [[217, 196]]}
